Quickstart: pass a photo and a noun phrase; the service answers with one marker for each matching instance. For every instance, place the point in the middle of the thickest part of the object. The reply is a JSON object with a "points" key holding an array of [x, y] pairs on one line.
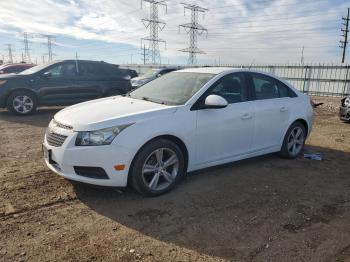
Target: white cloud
{"points": [[239, 31]]}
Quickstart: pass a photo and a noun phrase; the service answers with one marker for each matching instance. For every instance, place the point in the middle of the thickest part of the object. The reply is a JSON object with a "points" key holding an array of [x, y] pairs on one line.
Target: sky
{"points": [[239, 31]]}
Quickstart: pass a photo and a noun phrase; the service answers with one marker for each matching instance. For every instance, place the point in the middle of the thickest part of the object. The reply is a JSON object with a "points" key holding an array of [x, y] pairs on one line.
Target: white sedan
{"points": [[184, 121]]}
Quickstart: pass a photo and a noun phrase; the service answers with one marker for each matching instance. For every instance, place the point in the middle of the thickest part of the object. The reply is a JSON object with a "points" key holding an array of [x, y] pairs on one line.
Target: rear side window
{"points": [[90, 69], [284, 90], [266, 87], [112, 70], [63, 70]]}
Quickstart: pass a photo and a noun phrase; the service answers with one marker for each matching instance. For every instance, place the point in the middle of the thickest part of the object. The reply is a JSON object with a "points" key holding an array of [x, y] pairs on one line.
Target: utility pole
{"points": [[26, 48], [154, 25], [43, 59], [144, 54], [49, 46], [193, 29], [302, 56], [76, 61], [345, 35], [9, 49]]}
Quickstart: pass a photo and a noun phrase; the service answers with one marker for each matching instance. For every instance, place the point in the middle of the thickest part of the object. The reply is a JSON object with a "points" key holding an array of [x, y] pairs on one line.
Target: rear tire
{"points": [[294, 141], [21, 103], [157, 168]]}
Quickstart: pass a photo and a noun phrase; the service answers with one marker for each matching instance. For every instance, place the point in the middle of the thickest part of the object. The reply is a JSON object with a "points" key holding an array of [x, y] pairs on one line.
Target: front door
{"points": [[58, 84], [227, 132]]}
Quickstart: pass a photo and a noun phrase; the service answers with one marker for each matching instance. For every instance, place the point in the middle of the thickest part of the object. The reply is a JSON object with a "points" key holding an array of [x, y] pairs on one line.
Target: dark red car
{"points": [[14, 68]]}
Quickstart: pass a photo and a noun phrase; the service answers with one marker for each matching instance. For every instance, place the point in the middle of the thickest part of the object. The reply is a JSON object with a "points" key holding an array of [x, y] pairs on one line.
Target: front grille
{"points": [[63, 126], [54, 139]]}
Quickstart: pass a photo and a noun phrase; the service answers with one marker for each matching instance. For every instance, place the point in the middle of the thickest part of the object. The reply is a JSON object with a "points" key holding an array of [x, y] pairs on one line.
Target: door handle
{"points": [[283, 109], [246, 116]]}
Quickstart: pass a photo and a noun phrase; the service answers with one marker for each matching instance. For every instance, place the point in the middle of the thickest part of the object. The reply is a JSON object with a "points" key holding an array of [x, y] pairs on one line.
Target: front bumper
{"points": [[64, 158], [344, 113]]}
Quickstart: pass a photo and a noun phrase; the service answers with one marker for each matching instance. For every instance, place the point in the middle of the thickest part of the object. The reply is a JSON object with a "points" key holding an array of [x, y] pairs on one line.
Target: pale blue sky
{"points": [[240, 31]]}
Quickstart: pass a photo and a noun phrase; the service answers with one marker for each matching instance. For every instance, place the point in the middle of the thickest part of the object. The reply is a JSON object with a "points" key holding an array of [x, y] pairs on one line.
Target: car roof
{"points": [[79, 60], [209, 70], [17, 64]]}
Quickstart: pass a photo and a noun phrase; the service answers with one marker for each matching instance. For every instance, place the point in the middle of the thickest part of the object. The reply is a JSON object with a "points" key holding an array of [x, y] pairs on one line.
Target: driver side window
{"points": [[63, 70], [232, 87]]}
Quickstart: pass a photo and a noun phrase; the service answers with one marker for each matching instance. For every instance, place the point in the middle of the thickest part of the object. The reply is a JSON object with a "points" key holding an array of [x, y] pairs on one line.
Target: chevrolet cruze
{"points": [[184, 121]]}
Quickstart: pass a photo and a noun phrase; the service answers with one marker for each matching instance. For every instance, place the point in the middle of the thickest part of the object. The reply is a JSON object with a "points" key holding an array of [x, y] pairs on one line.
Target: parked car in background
{"points": [[183, 121], [14, 68], [131, 72], [151, 75], [61, 83], [344, 110]]}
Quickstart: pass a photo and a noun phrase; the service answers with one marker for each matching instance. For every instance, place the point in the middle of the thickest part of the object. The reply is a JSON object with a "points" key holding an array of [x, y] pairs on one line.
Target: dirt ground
{"points": [[261, 209]]}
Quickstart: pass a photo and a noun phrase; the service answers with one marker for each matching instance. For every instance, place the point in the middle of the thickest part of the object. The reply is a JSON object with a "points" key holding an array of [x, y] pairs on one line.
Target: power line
{"points": [[345, 35], [193, 29], [154, 25]]}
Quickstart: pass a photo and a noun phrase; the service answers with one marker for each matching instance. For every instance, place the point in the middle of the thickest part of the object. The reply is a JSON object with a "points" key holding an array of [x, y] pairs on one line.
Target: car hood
{"points": [[110, 111]]}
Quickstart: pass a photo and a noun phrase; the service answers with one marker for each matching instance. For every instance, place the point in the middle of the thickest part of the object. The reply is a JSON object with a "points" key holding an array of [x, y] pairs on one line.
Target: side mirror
{"points": [[215, 101], [47, 75], [158, 75]]}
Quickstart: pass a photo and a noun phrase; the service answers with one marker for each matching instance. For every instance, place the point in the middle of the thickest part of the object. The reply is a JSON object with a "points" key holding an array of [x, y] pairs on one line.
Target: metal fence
{"points": [[321, 80]]}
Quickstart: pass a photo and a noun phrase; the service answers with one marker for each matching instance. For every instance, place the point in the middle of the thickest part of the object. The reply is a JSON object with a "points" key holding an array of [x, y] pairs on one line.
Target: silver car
{"points": [[151, 75]]}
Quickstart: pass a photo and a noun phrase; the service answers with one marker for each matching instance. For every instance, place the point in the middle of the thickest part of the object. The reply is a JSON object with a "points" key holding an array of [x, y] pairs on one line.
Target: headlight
{"points": [[99, 137]]}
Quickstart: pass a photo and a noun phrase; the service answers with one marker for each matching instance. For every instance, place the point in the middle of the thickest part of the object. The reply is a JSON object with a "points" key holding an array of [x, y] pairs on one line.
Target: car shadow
{"points": [[234, 211], [40, 118]]}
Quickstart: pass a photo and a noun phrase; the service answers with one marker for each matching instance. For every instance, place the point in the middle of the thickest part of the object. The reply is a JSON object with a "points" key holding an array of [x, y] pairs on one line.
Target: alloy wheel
{"points": [[295, 141], [23, 104], [160, 169]]}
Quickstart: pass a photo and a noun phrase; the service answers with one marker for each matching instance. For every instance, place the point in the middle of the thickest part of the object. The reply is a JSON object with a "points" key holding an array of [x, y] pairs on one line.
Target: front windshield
{"points": [[34, 69], [151, 73], [175, 88]]}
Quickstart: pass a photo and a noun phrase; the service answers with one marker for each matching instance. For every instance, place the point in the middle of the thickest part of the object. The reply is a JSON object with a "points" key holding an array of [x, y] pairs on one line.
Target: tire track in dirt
{"points": [[37, 208]]}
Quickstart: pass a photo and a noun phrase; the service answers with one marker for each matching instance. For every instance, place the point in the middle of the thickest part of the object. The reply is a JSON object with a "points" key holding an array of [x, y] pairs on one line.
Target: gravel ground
{"points": [[261, 209]]}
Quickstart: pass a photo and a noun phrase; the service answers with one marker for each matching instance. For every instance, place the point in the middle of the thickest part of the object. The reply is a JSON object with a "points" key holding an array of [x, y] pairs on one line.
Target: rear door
{"points": [[90, 79], [272, 107]]}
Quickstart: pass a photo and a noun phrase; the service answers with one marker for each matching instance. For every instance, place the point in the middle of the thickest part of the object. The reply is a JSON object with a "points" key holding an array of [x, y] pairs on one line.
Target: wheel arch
{"points": [[22, 89], [300, 120], [304, 123]]}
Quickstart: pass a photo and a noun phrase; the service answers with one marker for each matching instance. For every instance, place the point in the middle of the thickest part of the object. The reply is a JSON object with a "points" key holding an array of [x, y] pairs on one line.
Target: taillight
{"points": [[2, 82]]}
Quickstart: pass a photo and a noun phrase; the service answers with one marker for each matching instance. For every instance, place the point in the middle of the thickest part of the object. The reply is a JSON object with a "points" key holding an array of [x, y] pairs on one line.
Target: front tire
{"points": [[157, 168], [294, 141], [21, 103]]}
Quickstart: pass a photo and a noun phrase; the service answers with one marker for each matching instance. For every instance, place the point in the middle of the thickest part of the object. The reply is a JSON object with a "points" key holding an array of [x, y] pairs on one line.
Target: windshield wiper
{"points": [[153, 100]]}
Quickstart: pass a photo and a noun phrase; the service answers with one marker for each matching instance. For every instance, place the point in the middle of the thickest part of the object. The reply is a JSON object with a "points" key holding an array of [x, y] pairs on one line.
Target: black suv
{"points": [[62, 83]]}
